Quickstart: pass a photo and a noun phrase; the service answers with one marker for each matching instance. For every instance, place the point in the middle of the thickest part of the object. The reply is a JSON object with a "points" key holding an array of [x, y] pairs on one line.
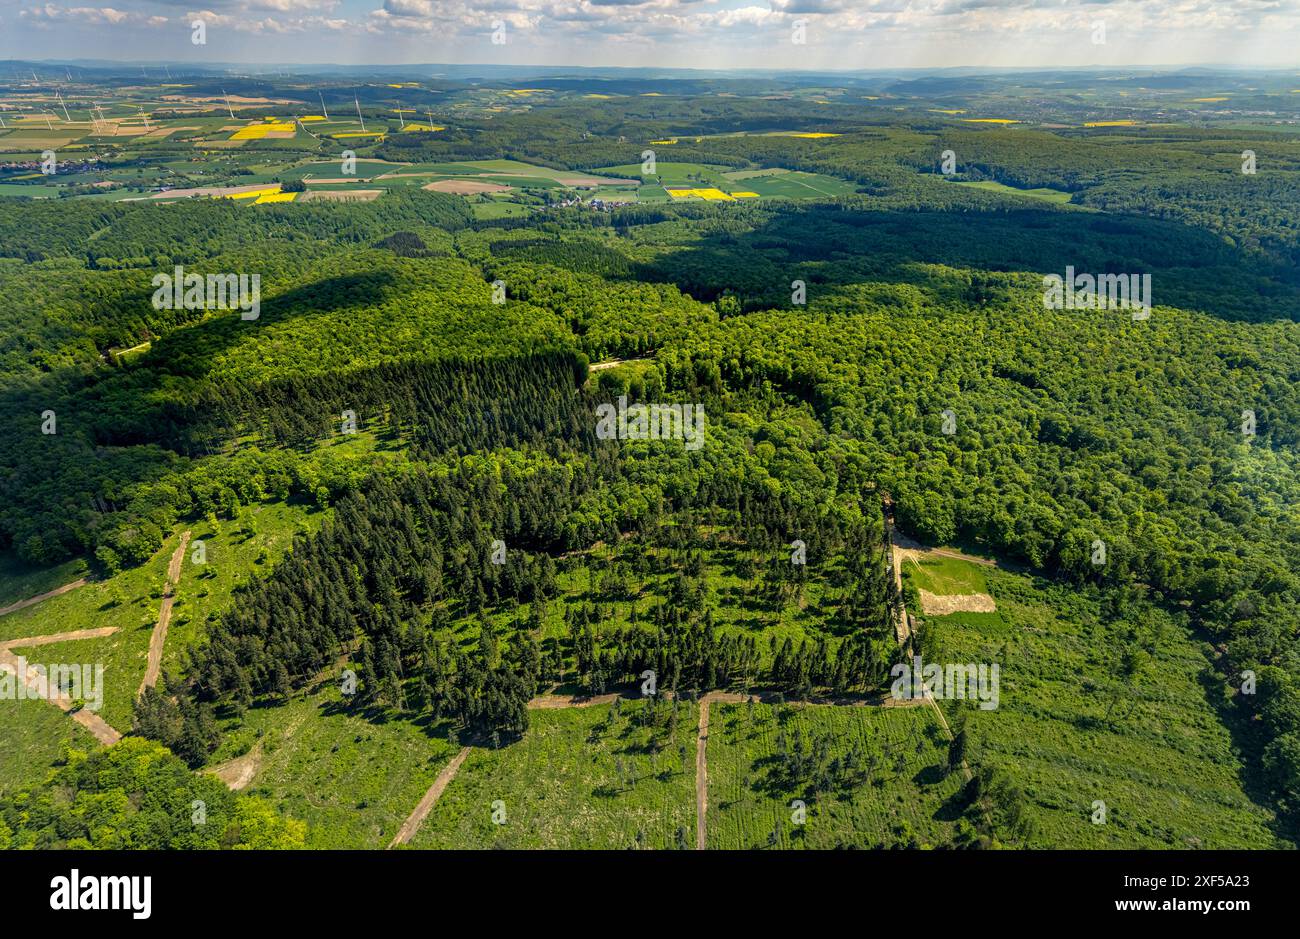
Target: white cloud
{"points": [[704, 32]]}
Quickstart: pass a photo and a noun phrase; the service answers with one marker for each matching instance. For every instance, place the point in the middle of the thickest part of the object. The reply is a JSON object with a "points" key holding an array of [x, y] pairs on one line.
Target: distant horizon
{"points": [[489, 71], [737, 69], [720, 35]]}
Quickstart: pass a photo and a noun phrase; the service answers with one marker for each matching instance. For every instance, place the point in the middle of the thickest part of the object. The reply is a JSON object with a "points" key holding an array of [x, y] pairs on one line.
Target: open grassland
{"points": [[130, 601], [944, 575], [897, 793], [579, 778], [1046, 195], [1095, 708], [35, 735], [352, 775]]}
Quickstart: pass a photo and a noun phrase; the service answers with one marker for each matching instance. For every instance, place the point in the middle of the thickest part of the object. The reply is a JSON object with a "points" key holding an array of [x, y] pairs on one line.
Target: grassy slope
{"points": [[231, 553], [35, 735], [561, 788], [1164, 764], [21, 582], [353, 778], [747, 803]]}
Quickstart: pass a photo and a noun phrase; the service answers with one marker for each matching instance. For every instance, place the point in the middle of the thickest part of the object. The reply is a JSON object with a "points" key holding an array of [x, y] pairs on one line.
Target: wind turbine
{"points": [[64, 106], [228, 107], [400, 118], [322, 104], [359, 117]]}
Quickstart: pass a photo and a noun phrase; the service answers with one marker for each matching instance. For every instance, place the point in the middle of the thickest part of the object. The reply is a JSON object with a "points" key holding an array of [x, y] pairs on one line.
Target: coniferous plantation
{"points": [[650, 462]]}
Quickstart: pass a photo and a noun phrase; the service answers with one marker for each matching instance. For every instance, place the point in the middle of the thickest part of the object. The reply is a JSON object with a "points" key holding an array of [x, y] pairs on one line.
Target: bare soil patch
{"points": [[935, 605], [464, 187], [340, 195]]}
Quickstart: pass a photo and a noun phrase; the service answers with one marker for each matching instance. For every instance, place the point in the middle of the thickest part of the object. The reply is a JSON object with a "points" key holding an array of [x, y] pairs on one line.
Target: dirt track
{"points": [[32, 601], [936, 605], [421, 811], [902, 630], [547, 702], [100, 728], [58, 637], [702, 777], [159, 637]]}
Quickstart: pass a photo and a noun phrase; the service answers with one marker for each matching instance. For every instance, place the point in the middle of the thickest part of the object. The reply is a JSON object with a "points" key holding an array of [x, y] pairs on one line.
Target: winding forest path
{"points": [[421, 811], [159, 637], [32, 601]]}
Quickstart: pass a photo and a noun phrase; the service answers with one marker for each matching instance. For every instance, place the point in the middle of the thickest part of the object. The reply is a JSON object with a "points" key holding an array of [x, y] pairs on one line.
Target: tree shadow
{"points": [[831, 246]]}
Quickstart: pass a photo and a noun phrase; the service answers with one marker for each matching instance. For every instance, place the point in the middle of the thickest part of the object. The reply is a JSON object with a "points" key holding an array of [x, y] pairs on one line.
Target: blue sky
{"points": [[841, 34]]}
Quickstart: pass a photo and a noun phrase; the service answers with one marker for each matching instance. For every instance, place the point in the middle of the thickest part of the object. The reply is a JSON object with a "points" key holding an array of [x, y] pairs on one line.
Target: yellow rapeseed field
{"points": [[256, 193], [259, 131], [715, 195]]}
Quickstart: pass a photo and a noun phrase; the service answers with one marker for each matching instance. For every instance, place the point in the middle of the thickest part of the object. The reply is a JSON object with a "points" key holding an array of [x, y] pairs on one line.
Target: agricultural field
{"points": [[718, 183]]}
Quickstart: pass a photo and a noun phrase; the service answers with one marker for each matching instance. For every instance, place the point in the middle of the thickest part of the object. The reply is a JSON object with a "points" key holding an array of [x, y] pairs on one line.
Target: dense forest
{"points": [[923, 296]]}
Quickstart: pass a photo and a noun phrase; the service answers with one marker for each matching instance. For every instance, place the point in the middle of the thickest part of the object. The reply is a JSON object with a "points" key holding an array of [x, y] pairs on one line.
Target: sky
{"points": [[801, 34]]}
